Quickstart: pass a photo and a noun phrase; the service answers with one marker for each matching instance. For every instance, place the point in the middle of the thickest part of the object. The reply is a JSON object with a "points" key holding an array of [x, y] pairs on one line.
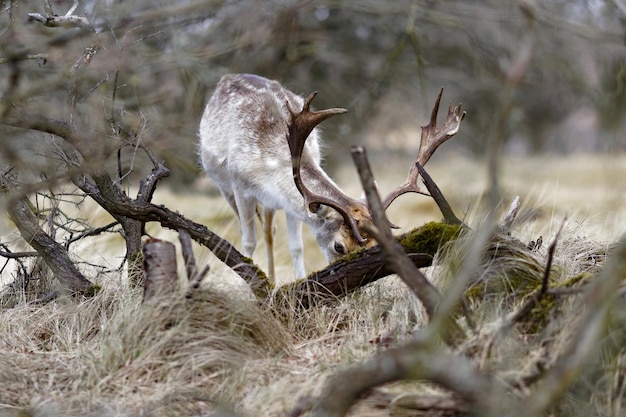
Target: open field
{"points": [[218, 350], [588, 192]]}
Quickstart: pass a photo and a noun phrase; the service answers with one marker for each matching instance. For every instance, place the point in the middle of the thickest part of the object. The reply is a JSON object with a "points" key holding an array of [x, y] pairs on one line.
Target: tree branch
{"points": [[437, 195], [52, 253], [394, 255], [418, 359]]}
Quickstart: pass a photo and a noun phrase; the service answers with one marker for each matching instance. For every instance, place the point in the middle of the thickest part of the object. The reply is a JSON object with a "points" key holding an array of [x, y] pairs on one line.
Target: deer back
{"points": [[243, 138]]}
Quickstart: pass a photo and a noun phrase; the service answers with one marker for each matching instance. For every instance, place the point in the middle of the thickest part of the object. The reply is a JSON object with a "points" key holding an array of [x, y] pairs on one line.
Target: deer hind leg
{"points": [[268, 229], [296, 247]]}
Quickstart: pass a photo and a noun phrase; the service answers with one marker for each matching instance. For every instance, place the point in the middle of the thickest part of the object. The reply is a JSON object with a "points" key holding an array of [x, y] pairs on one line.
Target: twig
{"points": [[69, 20], [52, 253], [197, 278], [510, 217], [92, 232], [435, 192], [62, 21], [17, 255], [188, 257], [72, 9]]}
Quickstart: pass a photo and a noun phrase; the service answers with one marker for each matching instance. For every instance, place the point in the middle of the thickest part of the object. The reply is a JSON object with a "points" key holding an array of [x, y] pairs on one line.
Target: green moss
{"points": [[350, 256], [577, 280], [425, 239], [507, 269], [429, 237], [263, 287], [548, 305]]}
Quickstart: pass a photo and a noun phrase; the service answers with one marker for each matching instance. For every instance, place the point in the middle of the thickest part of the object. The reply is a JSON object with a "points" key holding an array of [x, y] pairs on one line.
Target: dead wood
{"points": [[160, 275], [224, 250], [51, 252], [437, 195]]}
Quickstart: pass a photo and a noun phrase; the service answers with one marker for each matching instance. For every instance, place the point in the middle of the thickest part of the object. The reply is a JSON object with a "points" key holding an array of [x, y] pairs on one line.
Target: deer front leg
{"points": [[246, 208], [296, 247]]}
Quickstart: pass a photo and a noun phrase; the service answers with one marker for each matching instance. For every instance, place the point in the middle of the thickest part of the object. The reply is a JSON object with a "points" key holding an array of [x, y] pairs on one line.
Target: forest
{"points": [[124, 289]]}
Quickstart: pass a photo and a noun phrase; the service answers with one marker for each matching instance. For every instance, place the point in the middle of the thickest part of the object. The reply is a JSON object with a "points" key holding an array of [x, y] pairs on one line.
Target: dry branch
{"points": [[69, 20], [394, 255], [52, 253], [61, 21], [187, 250], [437, 195], [121, 205]]}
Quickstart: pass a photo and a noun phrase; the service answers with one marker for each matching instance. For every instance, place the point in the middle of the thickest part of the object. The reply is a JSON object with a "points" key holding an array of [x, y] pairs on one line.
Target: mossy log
{"points": [[360, 268]]}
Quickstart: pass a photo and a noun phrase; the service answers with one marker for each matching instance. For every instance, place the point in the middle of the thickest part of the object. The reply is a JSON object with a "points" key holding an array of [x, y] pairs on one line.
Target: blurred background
{"points": [[534, 76]]}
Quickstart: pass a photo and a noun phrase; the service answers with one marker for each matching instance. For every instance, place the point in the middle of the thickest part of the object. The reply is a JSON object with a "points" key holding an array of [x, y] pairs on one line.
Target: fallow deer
{"points": [[260, 145]]}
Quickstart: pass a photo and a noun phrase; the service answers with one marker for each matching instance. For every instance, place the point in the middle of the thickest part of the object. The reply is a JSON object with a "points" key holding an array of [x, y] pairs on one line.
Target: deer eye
{"points": [[340, 248]]}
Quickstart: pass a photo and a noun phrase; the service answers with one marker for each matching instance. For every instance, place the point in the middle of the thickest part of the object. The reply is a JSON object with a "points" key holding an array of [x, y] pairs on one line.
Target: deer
{"points": [[260, 144]]}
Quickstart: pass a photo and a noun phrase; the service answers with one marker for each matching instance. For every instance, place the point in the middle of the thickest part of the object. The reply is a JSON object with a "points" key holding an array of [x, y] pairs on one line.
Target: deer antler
{"points": [[300, 126], [432, 137]]}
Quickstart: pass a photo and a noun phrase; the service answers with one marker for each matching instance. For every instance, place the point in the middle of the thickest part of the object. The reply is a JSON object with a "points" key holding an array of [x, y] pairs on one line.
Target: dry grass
{"points": [[112, 356]]}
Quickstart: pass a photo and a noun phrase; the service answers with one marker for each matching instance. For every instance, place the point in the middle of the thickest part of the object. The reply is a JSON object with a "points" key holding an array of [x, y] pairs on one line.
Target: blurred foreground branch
{"points": [[69, 20], [52, 253]]}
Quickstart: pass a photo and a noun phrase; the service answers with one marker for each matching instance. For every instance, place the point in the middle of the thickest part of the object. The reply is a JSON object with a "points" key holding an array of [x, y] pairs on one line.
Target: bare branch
{"points": [[69, 20], [188, 257], [51, 252], [61, 21], [17, 255], [393, 253], [448, 214], [72, 9]]}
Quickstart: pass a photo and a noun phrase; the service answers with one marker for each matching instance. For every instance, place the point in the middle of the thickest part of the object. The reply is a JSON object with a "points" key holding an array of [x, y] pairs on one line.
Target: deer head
{"points": [[355, 214]]}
